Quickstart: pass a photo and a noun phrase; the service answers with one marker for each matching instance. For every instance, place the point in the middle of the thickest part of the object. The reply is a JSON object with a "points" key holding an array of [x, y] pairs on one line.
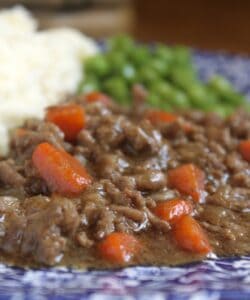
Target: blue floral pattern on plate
{"points": [[225, 279]]}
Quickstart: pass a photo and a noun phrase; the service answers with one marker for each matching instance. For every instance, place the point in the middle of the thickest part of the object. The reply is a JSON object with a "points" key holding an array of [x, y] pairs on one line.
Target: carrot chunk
{"points": [[187, 179], [61, 171], [172, 210], [245, 149], [156, 116], [189, 235], [97, 96], [69, 118], [119, 247]]}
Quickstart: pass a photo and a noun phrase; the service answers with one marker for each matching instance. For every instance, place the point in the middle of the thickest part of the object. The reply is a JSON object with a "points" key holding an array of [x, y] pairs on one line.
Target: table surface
{"points": [[205, 24]]}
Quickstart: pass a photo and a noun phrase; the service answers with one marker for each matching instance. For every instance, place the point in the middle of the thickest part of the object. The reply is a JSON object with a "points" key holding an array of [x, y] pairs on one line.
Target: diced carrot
{"points": [[61, 171], [245, 149], [172, 210], [156, 116], [97, 96], [189, 235], [188, 179], [69, 118], [119, 247]]}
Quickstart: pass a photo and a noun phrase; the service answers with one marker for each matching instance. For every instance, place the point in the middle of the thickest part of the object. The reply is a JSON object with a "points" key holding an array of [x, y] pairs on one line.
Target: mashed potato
{"points": [[16, 21], [37, 68]]}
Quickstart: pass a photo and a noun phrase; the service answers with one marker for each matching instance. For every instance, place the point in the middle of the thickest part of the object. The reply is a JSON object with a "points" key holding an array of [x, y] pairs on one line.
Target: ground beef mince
{"points": [[161, 189]]}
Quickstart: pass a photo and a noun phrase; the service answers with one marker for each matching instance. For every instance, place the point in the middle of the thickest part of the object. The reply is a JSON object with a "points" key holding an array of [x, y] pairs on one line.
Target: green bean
{"points": [[225, 91], [128, 73], [141, 56], [118, 89], [159, 66], [181, 56], [183, 77], [167, 73], [200, 97], [147, 75], [116, 61], [161, 88], [163, 53], [234, 99], [180, 100], [220, 85], [169, 94], [97, 65], [223, 110], [122, 43]]}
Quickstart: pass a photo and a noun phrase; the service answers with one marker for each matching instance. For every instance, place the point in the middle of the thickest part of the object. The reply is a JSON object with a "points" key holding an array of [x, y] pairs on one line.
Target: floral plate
{"points": [[226, 279]]}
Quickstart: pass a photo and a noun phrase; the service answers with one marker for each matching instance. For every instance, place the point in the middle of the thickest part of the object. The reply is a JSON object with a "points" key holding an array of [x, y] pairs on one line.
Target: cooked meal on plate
{"points": [[96, 185], [121, 174]]}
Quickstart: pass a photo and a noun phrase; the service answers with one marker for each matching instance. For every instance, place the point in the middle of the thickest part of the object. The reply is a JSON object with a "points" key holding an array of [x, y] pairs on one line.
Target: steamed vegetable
{"points": [[97, 97], [245, 149], [62, 172], [69, 118], [187, 179], [119, 247], [160, 116], [172, 210], [167, 73], [189, 235]]}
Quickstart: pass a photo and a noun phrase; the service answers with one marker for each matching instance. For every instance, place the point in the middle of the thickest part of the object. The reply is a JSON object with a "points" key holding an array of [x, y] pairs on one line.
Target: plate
{"points": [[224, 279]]}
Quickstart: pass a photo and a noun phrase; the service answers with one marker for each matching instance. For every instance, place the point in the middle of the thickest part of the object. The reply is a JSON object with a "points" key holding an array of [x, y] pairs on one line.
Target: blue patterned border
{"points": [[234, 67], [217, 280]]}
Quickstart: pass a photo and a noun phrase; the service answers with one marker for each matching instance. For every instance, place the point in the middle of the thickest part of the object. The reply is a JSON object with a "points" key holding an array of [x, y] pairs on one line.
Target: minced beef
{"points": [[128, 158]]}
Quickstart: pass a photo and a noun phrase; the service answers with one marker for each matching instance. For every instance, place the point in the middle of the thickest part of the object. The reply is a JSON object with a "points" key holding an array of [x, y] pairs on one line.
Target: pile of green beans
{"points": [[167, 73]]}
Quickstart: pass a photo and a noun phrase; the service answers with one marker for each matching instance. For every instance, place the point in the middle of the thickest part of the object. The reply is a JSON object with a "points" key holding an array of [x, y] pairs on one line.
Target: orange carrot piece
{"points": [[189, 235], [69, 118], [244, 147], [119, 247], [156, 116], [97, 96], [61, 171], [172, 210], [188, 179]]}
